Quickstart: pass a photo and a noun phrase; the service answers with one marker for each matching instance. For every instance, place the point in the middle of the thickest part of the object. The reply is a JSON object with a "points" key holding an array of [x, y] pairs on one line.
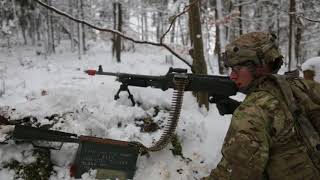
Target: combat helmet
{"points": [[258, 48]]}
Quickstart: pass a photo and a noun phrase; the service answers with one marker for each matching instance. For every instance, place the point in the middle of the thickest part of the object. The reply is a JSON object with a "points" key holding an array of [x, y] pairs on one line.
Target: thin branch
{"points": [[174, 18], [243, 3], [225, 19], [161, 44], [299, 15], [295, 13]]}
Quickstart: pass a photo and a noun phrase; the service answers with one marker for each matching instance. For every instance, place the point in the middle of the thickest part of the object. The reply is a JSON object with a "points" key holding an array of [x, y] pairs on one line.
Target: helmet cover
{"points": [[257, 47]]}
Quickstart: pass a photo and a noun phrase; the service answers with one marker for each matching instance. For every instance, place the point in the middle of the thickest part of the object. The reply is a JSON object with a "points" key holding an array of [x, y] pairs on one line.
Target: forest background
{"points": [[172, 22], [46, 45]]}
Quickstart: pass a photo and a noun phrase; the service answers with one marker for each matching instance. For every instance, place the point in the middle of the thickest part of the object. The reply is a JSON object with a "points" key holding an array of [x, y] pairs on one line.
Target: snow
{"points": [[314, 65], [39, 87]]}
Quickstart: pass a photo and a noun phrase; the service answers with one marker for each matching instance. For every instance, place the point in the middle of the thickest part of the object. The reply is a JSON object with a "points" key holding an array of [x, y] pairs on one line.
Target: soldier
{"points": [[311, 68], [308, 74], [262, 142]]}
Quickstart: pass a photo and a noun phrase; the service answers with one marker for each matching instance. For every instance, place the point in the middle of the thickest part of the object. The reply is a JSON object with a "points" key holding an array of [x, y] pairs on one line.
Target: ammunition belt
{"points": [[176, 103]]}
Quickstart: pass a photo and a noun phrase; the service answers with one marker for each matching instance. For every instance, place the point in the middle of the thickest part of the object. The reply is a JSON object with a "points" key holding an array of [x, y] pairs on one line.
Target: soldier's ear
{"points": [[261, 70], [276, 65]]}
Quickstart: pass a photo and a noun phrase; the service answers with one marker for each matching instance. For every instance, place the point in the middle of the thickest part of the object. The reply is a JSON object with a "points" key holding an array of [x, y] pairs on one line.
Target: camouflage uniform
{"points": [[262, 143]]}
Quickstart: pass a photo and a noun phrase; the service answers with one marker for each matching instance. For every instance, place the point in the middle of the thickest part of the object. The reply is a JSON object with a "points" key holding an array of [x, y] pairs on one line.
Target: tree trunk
{"points": [[172, 34], [299, 28], [114, 27], [291, 48], [79, 27], [240, 20], [84, 49], [23, 22], [71, 25], [278, 25], [208, 47], [52, 30], [32, 28], [142, 26], [158, 29], [199, 64], [219, 36], [38, 24], [191, 29], [217, 49], [145, 17], [15, 14], [50, 35], [183, 41], [118, 39], [58, 34], [229, 32]]}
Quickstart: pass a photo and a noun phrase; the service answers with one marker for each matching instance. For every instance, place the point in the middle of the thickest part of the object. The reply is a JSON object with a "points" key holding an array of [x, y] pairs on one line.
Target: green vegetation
{"points": [[176, 144], [38, 170]]}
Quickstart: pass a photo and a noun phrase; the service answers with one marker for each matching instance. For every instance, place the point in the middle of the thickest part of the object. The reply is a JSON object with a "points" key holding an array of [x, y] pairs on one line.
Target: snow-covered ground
{"points": [[39, 87]]}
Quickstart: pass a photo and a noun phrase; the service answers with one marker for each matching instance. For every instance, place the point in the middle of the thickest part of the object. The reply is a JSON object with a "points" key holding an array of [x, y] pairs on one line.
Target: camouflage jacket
{"points": [[262, 142]]}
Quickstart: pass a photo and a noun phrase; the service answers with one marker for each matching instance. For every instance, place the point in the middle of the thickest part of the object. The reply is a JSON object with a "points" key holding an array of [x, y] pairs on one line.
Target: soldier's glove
{"points": [[225, 105]]}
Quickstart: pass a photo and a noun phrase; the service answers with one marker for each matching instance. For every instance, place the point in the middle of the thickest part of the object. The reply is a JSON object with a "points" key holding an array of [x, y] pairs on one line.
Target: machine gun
{"points": [[38, 137], [218, 87], [92, 153]]}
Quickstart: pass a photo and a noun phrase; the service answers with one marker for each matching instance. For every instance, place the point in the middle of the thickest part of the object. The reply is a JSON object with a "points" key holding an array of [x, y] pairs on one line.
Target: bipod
{"points": [[124, 87]]}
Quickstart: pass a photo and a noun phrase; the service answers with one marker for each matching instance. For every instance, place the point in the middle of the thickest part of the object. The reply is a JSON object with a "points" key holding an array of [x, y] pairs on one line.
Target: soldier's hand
{"points": [[226, 105]]}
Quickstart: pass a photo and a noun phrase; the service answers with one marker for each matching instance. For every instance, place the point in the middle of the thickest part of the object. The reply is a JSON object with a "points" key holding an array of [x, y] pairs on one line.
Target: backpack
{"points": [[304, 106]]}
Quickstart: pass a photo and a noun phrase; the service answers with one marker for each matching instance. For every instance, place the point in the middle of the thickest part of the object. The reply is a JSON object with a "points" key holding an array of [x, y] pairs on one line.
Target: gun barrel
{"points": [[107, 73], [129, 76], [93, 72]]}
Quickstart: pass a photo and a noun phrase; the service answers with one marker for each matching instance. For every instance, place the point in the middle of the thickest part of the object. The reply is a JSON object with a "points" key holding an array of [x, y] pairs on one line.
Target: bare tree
{"points": [[84, 48], [79, 30], [291, 47], [116, 39], [50, 31], [299, 31], [199, 63], [219, 36], [145, 26], [23, 22], [239, 19], [70, 32], [160, 44]]}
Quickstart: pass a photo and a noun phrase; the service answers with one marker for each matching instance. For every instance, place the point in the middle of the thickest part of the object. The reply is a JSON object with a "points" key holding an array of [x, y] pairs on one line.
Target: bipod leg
{"points": [[116, 97], [124, 87], [131, 97]]}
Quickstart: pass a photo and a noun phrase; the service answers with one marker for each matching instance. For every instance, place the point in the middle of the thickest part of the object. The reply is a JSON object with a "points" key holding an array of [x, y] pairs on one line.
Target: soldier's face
{"points": [[242, 76]]}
